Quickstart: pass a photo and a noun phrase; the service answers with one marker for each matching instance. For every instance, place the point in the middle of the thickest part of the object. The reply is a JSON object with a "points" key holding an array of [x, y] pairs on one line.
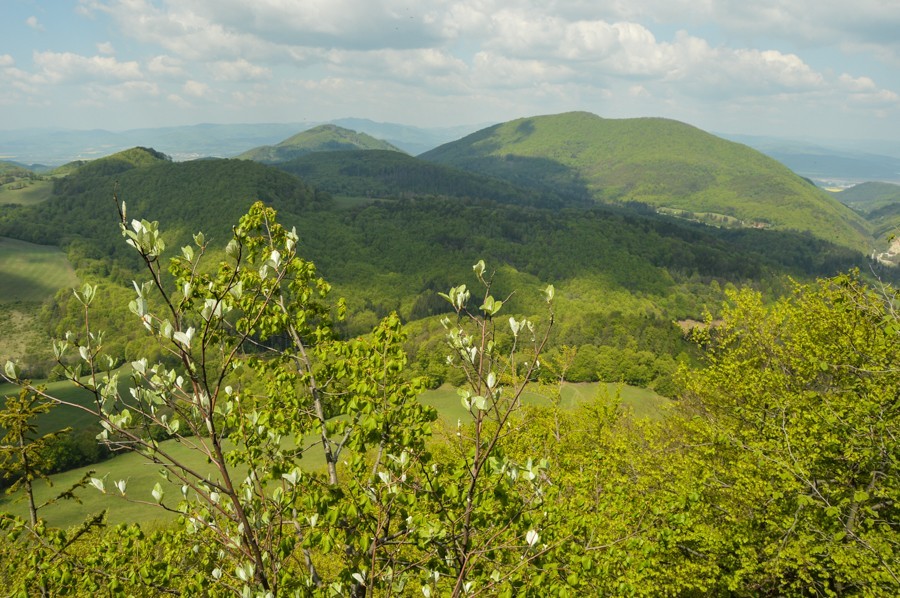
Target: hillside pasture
{"points": [[641, 402], [142, 476], [26, 193], [30, 272]]}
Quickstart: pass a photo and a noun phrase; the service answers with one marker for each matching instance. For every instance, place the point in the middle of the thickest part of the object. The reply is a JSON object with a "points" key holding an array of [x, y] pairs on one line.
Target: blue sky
{"points": [[804, 69]]}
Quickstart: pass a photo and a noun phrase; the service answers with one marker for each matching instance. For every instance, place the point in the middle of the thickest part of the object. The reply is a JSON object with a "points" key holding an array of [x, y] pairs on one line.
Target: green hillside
{"points": [[20, 185], [868, 197], [29, 275], [184, 196], [391, 175], [324, 138], [655, 161], [630, 274]]}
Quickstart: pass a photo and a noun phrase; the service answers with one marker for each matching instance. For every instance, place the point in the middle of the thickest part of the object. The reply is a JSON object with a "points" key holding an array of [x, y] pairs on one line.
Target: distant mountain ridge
{"points": [[54, 146], [324, 138], [830, 165], [664, 163]]}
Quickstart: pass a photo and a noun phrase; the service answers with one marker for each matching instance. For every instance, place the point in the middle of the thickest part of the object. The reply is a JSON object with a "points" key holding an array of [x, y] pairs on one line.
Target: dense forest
{"points": [[271, 368]]}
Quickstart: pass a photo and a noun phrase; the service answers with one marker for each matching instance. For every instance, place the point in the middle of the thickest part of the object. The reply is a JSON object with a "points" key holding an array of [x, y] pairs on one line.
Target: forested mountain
{"points": [[398, 253], [324, 138], [664, 163], [391, 175], [868, 197]]}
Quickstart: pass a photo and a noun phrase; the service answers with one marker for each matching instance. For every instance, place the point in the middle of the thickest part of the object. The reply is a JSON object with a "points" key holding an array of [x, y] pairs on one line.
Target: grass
{"points": [[26, 193], [30, 272], [142, 476], [19, 330], [641, 401], [62, 416]]}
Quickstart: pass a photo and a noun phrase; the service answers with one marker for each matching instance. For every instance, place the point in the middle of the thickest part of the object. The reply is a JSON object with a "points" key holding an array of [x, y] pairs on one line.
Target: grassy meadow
{"points": [[32, 273], [142, 476], [32, 192], [29, 275]]}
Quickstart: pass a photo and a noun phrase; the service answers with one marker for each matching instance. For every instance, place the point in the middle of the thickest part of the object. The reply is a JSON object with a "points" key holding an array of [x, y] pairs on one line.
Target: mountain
{"points": [[58, 146], [208, 195], [382, 174], [673, 166], [880, 202], [870, 196], [14, 168], [324, 138], [622, 276]]}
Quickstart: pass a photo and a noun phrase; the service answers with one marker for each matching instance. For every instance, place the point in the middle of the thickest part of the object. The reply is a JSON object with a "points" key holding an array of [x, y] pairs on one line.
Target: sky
{"points": [[803, 69]]}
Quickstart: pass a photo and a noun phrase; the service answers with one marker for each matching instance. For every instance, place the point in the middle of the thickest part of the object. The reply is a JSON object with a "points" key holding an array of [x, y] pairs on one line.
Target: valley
{"points": [[641, 420]]}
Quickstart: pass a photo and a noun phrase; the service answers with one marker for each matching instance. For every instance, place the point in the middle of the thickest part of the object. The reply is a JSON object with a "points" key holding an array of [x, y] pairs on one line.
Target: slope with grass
{"points": [[324, 138], [141, 475], [29, 275], [32, 273], [654, 161]]}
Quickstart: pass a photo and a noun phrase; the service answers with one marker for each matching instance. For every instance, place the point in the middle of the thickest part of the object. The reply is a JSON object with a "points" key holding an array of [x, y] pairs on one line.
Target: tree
{"points": [[255, 381], [23, 460], [800, 412]]}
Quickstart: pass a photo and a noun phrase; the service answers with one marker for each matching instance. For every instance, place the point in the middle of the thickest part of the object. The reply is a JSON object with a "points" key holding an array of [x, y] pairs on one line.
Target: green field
{"points": [[31, 193], [640, 401], [61, 416], [30, 272], [142, 476]]}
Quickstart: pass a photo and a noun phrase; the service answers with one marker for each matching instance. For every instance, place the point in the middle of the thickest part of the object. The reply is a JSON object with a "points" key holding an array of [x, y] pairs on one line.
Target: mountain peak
{"points": [[670, 165], [323, 138]]}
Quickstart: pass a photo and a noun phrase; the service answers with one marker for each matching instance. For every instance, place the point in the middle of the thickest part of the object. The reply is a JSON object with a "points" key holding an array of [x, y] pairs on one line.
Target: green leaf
{"points": [[157, 492]]}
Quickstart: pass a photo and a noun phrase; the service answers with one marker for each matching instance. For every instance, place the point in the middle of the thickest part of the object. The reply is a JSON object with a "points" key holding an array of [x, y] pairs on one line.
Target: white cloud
{"points": [[6, 60], [127, 91], [679, 58], [856, 83], [494, 70], [174, 98], [165, 66], [239, 70], [34, 24], [196, 89], [58, 67], [418, 67]]}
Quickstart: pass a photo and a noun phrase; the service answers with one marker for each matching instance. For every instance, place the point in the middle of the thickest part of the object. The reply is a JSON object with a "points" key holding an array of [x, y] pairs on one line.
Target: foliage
{"points": [[255, 365], [801, 401], [394, 175]]}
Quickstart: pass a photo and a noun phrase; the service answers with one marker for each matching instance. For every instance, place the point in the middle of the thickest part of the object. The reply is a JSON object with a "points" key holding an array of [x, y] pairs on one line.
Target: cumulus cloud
{"points": [[677, 57], [6, 60], [494, 70], [239, 70], [59, 67], [34, 23], [196, 89], [165, 66]]}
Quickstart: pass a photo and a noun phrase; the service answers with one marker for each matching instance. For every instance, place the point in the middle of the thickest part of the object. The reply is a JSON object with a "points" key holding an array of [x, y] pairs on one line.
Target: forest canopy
{"points": [[774, 472]]}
